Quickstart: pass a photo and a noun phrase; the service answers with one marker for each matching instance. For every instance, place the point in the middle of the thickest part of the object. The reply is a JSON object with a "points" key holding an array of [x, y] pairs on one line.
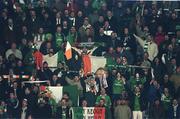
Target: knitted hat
{"points": [[48, 36]]}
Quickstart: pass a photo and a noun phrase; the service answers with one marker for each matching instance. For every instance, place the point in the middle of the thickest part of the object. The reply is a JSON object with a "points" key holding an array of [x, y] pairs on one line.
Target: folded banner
{"points": [[88, 112]]}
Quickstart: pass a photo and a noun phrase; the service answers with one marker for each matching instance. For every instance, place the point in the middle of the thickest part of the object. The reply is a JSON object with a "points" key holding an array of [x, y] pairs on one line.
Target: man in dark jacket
{"points": [[174, 110], [62, 110], [45, 73], [24, 112], [44, 110]]}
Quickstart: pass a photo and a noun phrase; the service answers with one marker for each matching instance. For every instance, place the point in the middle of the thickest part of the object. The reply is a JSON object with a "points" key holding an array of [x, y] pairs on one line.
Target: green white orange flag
{"points": [[88, 112], [68, 51], [92, 63]]}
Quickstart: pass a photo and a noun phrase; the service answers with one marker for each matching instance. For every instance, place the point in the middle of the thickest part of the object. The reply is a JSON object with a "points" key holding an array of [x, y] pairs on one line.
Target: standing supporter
{"points": [[59, 36], [149, 45], [166, 99], [118, 86], [174, 110], [122, 110], [137, 103], [39, 38], [175, 78], [83, 30], [24, 110], [12, 106], [44, 109], [62, 109], [157, 107], [160, 36], [77, 82], [106, 98], [44, 73]]}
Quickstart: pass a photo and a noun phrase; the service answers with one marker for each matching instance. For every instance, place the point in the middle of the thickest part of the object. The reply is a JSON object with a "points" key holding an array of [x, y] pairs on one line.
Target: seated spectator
{"points": [[13, 50]]}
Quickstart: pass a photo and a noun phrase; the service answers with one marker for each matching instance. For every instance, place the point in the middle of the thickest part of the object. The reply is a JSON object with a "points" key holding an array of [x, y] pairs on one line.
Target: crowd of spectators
{"points": [[143, 35]]}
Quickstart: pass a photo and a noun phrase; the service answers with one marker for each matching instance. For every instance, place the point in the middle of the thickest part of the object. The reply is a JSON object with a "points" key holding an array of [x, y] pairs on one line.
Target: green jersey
{"points": [[118, 86]]}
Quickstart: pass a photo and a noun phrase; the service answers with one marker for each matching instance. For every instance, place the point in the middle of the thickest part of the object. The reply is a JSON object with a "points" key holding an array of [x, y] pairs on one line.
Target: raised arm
{"points": [[140, 40], [139, 31], [92, 50], [69, 81], [77, 50]]}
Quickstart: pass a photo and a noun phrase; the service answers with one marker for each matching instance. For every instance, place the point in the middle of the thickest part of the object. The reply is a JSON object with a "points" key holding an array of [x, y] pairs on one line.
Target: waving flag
{"points": [[68, 52]]}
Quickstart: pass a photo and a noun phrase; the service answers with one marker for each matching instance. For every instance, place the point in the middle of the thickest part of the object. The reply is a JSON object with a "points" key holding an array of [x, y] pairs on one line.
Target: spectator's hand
{"points": [[124, 80], [151, 81], [134, 35]]}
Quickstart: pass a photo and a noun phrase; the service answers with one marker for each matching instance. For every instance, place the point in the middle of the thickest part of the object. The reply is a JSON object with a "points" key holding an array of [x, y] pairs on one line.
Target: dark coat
{"points": [[171, 113], [46, 74], [44, 112], [60, 111], [143, 102], [28, 113]]}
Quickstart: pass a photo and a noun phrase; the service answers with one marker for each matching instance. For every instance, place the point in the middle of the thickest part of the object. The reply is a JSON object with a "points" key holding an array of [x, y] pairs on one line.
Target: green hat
{"points": [[48, 35]]}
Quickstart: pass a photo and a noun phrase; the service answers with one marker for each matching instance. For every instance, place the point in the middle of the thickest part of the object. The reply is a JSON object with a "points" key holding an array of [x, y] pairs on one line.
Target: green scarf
{"points": [[71, 38], [59, 39]]}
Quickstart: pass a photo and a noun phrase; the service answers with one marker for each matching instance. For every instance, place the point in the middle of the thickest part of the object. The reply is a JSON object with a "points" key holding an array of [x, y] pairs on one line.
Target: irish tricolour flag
{"points": [[68, 52], [88, 112], [59, 56], [92, 63]]}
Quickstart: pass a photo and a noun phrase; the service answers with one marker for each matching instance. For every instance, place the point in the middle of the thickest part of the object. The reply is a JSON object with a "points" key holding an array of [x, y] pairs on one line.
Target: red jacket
{"points": [[38, 59], [159, 38]]}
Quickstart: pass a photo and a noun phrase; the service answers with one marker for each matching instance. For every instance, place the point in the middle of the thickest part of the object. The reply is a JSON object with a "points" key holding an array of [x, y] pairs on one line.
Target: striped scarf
{"points": [[146, 46]]}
